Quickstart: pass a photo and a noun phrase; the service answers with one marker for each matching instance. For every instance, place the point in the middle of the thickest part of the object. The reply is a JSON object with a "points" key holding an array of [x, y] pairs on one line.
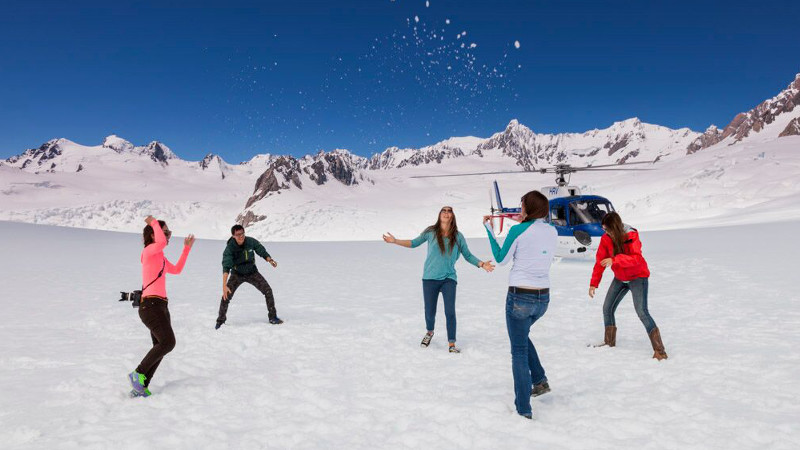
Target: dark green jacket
{"points": [[242, 258]]}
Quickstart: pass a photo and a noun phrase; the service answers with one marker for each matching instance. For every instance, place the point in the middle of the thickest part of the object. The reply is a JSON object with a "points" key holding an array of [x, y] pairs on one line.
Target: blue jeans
{"points": [[522, 310], [430, 292], [617, 291]]}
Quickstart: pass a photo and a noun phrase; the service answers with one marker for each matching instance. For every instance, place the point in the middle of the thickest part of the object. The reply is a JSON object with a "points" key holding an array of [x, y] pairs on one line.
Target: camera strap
{"points": [[164, 264]]}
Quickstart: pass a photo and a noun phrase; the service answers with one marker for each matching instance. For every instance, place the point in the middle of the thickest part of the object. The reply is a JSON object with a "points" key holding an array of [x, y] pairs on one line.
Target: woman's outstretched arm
{"points": [[177, 268], [416, 242], [472, 259]]}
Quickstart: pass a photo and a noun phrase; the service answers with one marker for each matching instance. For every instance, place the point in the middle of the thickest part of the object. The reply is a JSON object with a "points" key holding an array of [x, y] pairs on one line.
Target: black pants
{"points": [[155, 316], [256, 279]]}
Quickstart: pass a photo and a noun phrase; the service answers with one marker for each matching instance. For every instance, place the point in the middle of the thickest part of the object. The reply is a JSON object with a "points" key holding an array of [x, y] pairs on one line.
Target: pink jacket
{"points": [[153, 260]]}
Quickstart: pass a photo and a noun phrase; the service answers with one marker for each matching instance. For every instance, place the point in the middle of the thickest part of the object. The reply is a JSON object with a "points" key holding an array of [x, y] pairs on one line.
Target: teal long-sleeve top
{"points": [[438, 265]]}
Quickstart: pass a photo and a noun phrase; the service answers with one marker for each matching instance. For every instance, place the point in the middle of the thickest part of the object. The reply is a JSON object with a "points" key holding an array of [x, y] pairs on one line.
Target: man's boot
{"points": [[658, 346]]}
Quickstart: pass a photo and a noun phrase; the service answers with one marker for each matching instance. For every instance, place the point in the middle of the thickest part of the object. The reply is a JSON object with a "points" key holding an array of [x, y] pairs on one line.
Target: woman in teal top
{"points": [[439, 274]]}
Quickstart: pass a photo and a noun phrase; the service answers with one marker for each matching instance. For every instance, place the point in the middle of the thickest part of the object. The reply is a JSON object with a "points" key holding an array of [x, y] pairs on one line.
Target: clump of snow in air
{"points": [[516, 44], [426, 58]]}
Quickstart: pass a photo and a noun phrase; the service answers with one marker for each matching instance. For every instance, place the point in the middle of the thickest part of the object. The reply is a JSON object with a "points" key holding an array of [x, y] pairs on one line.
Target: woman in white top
{"points": [[532, 245]]}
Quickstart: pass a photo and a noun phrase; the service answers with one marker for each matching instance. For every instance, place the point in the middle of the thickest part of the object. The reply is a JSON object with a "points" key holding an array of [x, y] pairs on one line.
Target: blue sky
{"points": [[293, 77]]}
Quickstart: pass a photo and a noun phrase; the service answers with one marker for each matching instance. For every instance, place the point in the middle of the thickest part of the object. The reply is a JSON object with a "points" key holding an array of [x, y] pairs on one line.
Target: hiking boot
{"points": [[137, 383], [527, 416], [275, 321], [134, 393], [426, 340], [454, 349], [219, 324], [539, 389]]}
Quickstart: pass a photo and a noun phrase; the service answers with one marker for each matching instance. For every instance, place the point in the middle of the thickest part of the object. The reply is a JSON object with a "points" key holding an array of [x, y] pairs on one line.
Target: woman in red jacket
{"points": [[621, 250]]}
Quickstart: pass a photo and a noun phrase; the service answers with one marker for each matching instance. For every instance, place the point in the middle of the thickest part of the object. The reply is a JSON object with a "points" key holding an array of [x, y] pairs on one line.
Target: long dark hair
{"points": [[536, 206], [147, 233], [440, 231], [612, 223]]}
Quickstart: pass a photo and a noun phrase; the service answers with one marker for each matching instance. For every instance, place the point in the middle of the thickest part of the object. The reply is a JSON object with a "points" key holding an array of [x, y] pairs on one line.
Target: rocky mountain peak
{"points": [[214, 162], [754, 121], [39, 156], [285, 172], [158, 152], [208, 159], [633, 122], [117, 144]]}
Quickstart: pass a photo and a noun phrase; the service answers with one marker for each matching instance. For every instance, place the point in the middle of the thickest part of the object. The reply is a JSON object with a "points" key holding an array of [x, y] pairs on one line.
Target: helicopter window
{"points": [[589, 211], [558, 216]]}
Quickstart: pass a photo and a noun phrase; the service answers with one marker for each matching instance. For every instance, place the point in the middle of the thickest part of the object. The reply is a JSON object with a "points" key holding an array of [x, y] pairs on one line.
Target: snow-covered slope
{"points": [[334, 196], [744, 183]]}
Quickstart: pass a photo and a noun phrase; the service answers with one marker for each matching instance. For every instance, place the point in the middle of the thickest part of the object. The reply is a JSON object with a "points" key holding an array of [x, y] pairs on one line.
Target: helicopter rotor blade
{"points": [[602, 170], [613, 165], [471, 174]]}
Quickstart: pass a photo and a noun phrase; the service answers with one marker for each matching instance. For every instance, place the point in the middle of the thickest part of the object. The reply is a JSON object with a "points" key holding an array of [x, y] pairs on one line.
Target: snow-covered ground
{"points": [[346, 369]]}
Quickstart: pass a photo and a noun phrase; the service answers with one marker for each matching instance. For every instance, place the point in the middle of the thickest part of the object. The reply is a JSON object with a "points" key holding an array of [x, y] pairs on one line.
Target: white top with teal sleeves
{"points": [[532, 245]]}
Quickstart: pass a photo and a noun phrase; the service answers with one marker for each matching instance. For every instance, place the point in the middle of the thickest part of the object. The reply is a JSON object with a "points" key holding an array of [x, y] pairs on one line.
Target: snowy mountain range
{"points": [[340, 195], [775, 117]]}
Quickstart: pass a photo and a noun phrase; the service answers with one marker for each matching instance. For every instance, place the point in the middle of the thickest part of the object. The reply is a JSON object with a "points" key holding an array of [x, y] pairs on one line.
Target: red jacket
{"points": [[627, 266]]}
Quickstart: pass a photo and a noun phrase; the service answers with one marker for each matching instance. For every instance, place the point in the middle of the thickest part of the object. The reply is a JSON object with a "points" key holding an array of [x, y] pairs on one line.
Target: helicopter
{"points": [[576, 217]]}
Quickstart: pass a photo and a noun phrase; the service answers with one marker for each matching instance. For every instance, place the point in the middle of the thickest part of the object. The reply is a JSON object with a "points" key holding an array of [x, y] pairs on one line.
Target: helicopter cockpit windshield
{"points": [[588, 211]]}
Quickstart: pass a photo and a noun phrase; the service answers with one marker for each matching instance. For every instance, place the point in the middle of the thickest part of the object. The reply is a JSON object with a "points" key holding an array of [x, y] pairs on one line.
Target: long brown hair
{"points": [[147, 233], [440, 231], [612, 223], [536, 206]]}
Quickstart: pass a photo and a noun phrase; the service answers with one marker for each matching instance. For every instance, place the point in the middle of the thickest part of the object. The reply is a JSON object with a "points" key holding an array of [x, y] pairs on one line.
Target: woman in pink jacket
{"points": [[153, 308]]}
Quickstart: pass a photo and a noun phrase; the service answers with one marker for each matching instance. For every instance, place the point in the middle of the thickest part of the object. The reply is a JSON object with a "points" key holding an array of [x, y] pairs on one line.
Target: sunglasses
{"points": [[238, 235], [447, 210], [167, 233]]}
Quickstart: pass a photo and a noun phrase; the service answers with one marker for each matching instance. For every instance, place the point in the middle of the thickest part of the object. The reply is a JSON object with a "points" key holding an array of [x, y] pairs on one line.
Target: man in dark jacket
{"points": [[239, 261]]}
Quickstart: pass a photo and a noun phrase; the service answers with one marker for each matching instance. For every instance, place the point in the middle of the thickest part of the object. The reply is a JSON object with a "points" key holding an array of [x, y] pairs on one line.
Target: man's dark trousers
{"points": [[256, 279]]}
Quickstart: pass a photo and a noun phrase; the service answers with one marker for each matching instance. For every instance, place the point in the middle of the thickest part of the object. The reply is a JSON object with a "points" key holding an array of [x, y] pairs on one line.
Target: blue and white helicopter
{"points": [[577, 217]]}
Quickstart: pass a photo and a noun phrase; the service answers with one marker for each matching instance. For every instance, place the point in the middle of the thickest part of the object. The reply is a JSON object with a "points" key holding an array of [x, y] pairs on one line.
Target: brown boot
{"points": [[658, 347], [610, 338]]}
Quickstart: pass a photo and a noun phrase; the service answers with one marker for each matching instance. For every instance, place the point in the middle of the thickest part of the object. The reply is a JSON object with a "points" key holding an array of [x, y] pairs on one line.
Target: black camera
{"points": [[134, 297]]}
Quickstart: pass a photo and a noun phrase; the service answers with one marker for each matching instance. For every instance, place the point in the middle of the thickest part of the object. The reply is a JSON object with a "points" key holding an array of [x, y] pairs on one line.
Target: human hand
{"points": [[272, 262], [487, 266], [591, 291], [226, 291], [189, 241], [389, 238], [607, 262], [149, 219]]}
